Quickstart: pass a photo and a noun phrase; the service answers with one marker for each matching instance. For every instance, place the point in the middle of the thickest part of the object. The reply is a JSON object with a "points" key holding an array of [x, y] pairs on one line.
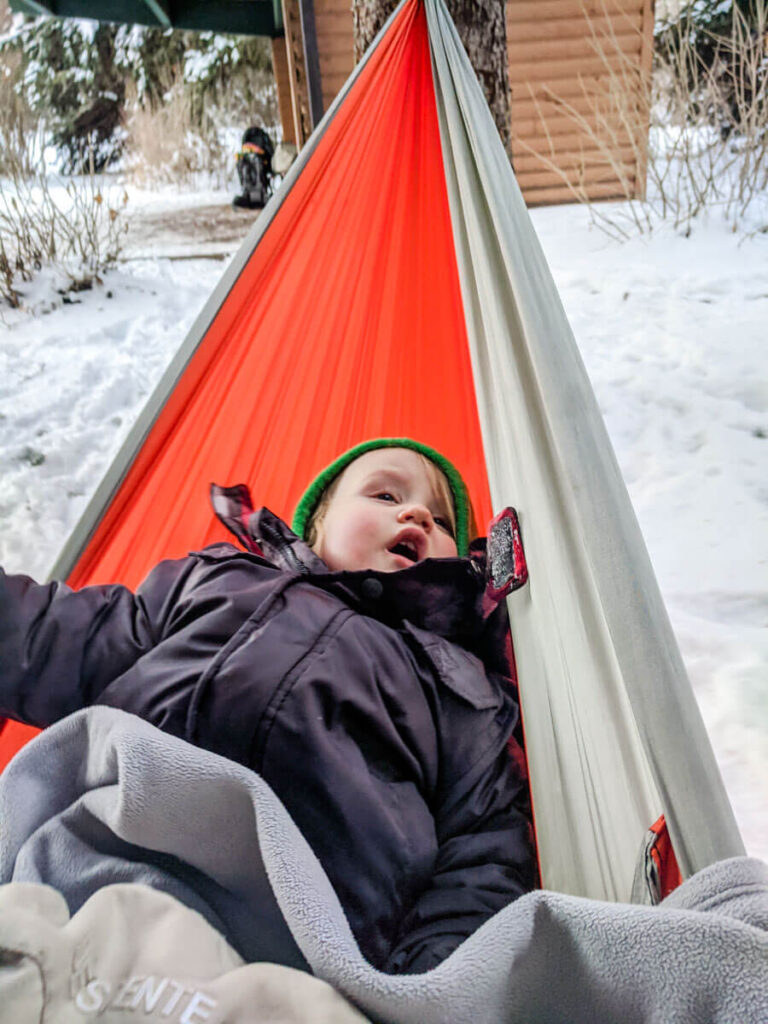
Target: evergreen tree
{"points": [[70, 74], [75, 74]]}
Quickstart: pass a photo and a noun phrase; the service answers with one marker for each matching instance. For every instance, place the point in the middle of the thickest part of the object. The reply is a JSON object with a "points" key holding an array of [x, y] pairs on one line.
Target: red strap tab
{"points": [[663, 856]]}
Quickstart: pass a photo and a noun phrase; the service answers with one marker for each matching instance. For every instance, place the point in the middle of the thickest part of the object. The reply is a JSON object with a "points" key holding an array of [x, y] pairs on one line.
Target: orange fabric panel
{"points": [[13, 736], [347, 323]]}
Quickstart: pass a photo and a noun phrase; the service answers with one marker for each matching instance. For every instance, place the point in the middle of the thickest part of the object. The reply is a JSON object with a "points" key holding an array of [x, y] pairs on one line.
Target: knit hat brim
{"points": [[311, 497]]}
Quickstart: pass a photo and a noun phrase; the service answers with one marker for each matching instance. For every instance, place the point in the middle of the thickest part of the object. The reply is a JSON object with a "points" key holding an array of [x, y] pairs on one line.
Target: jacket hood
{"points": [[452, 597]]}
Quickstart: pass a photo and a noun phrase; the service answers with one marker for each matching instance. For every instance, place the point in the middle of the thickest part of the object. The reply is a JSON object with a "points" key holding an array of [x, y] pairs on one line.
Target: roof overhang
{"points": [[240, 17]]}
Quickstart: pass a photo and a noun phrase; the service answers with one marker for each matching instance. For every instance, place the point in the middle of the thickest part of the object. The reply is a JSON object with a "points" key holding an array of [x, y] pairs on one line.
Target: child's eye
{"points": [[385, 496], [444, 524]]}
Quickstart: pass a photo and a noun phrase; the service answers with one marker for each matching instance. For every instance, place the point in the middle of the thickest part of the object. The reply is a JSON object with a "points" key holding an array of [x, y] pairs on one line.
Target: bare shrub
{"points": [[710, 134], [187, 130], [76, 225], [167, 144], [694, 137]]}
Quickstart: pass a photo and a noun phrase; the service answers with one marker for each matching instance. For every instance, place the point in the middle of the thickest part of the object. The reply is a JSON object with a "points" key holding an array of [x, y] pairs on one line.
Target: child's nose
{"points": [[416, 513]]}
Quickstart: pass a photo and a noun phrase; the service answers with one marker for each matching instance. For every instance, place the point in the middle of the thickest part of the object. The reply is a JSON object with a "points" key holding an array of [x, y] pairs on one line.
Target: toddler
{"points": [[357, 662]]}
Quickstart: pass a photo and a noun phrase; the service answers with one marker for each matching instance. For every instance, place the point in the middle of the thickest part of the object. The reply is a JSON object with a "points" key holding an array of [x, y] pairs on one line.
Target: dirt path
{"points": [[187, 231]]}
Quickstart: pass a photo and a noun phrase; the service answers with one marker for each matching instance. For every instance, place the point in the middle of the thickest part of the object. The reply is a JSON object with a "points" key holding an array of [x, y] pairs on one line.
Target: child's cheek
{"points": [[447, 547], [371, 531]]}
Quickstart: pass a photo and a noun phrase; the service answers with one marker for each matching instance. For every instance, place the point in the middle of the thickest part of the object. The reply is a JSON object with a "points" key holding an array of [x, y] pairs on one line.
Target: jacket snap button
{"points": [[372, 589]]}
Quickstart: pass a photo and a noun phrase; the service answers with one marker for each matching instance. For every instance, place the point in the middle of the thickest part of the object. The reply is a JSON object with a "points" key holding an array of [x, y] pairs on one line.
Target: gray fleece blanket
{"points": [[103, 797]]}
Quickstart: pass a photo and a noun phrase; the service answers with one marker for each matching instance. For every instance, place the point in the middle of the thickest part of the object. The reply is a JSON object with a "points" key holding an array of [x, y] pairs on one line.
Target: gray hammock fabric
{"points": [[613, 733]]}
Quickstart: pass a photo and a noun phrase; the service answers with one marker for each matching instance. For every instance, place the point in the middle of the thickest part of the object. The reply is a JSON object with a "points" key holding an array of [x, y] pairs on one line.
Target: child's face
{"points": [[385, 514]]}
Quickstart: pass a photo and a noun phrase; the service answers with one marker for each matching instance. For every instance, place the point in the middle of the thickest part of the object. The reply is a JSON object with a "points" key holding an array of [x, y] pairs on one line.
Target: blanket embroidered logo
{"points": [[172, 1000]]}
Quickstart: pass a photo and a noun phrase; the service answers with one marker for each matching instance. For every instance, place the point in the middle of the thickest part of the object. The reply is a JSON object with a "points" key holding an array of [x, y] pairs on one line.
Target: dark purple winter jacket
{"points": [[360, 697]]}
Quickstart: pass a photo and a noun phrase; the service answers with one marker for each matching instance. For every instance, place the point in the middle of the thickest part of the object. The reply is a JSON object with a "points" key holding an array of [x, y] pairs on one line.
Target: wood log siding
{"points": [[588, 165], [571, 63], [335, 45], [573, 28], [553, 65], [558, 132], [578, 49], [544, 11], [552, 194]]}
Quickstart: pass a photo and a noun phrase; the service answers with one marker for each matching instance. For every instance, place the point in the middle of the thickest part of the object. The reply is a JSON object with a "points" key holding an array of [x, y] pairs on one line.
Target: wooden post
{"points": [[294, 45], [311, 61], [283, 82]]}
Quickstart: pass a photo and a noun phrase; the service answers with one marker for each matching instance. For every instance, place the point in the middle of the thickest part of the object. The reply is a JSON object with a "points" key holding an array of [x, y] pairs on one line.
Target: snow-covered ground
{"points": [[672, 331]]}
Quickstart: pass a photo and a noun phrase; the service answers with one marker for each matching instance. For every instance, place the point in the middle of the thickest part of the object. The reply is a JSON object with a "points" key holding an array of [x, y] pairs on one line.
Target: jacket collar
{"points": [[449, 596]]}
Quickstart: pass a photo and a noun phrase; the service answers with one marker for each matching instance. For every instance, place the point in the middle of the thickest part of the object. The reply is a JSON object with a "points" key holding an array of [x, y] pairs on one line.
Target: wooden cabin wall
{"points": [[563, 89], [579, 71], [335, 45]]}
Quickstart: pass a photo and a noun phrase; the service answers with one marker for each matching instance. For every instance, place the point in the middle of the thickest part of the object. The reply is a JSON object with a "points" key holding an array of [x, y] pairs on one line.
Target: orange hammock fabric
{"points": [[347, 323]]}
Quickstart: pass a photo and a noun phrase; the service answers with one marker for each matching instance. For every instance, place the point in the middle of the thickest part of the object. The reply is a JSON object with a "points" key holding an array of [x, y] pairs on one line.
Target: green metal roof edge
{"points": [[235, 17]]}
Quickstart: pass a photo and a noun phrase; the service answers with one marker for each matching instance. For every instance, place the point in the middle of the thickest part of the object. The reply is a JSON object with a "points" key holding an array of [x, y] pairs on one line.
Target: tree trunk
{"points": [[482, 28]]}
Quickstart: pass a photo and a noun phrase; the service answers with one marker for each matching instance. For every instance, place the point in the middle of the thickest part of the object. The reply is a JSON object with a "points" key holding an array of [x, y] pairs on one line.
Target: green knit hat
{"points": [[311, 497]]}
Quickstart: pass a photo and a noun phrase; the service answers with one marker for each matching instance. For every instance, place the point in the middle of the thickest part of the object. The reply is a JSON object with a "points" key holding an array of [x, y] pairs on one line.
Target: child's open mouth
{"points": [[405, 549]]}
